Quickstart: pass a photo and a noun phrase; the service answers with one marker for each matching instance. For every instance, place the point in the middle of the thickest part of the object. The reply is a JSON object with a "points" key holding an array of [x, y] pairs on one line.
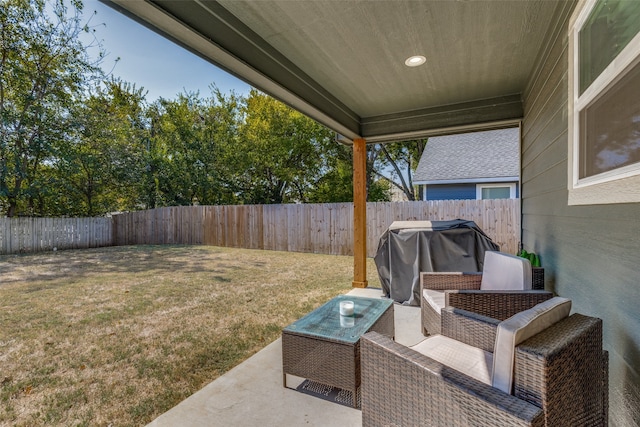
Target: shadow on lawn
{"points": [[53, 266]]}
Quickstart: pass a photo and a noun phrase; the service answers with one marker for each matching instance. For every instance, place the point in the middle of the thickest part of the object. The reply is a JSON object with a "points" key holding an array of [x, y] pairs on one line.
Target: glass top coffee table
{"points": [[324, 346]]}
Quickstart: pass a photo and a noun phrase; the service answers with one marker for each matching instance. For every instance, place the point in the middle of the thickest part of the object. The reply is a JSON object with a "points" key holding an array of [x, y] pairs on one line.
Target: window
{"points": [[610, 128], [604, 106], [495, 191]]}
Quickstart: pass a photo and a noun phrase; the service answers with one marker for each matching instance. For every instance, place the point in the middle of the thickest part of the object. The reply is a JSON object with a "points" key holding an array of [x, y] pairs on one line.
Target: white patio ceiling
{"points": [[342, 62]]}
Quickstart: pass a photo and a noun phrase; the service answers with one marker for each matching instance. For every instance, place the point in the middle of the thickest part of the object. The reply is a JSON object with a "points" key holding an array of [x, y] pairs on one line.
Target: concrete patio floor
{"points": [[251, 394]]}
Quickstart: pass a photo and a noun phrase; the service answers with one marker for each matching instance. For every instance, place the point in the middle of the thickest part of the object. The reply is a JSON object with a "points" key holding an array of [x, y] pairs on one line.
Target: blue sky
{"points": [[163, 68]]}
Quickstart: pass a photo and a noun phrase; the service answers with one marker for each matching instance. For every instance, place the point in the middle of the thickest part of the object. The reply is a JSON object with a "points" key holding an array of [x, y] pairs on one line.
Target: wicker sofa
{"points": [[506, 286], [559, 377]]}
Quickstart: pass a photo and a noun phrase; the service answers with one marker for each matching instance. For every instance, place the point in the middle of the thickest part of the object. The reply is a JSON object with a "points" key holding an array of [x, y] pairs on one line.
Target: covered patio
{"points": [[385, 71]]}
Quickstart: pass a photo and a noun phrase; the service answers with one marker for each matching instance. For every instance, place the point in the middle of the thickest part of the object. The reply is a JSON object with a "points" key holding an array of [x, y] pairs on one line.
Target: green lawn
{"points": [[117, 336]]}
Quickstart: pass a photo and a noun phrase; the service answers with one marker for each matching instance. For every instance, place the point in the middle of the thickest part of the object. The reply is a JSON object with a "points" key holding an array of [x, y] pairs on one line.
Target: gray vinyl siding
{"points": [[451, 192], [590, 253]]}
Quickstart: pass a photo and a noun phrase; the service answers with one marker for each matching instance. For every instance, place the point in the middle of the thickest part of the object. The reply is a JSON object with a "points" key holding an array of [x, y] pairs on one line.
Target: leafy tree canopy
{"points": [[44, 70], [74, 142]]}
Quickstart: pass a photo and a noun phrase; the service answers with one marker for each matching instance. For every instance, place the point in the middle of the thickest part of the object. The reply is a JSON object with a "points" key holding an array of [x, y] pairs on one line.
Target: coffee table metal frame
{"points": [[324, 347]]}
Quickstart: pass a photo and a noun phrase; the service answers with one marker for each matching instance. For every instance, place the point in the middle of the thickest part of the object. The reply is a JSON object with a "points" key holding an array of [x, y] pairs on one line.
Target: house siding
{"points": [[590, 253], [451, 192], [456, 191]]}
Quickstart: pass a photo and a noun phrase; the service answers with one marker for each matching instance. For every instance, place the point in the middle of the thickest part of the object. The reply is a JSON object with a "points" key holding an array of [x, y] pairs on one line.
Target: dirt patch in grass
{"points": [[117, 336]]}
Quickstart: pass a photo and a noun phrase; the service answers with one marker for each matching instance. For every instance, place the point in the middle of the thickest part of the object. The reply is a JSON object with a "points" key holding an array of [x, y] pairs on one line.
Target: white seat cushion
{"points": [[502, 271], [519, 328], [434, 298], [471, 361]]}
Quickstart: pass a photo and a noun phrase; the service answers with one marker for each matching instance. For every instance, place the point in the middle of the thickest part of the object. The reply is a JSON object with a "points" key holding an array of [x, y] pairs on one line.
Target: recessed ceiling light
{"points": [[415, 61]]}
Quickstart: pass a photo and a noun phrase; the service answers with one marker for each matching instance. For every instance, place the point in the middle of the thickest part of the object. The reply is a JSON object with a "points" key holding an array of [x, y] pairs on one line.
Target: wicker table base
{"points": [[332, 356]]}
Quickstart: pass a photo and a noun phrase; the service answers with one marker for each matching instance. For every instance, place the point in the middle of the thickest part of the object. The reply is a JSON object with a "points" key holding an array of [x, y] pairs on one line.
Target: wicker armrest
{"points": [[470, 328], [451, 280], [564, 370], [495, 304], [403, 387], [537, 278], [440, 281]]}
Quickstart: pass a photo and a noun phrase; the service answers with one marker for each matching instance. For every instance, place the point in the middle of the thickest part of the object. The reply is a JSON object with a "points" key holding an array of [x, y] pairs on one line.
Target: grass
{"points": [[117, 336]]}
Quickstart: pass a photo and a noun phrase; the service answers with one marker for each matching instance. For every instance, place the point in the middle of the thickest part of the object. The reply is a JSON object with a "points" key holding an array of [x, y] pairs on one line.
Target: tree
{"points": [[396, 162], [99, 168], [178, 127], [223, 119], [336, 183], [278, 154], [44, 68], [190, 137], [74, 144]]}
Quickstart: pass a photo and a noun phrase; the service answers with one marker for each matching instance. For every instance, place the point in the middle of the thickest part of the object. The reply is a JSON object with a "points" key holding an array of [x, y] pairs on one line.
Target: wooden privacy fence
{"points": [[315, 228], [22, 235]]}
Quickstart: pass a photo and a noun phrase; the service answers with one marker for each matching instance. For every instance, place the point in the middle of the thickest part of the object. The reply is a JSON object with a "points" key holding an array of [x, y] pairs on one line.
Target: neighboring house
{"points": [[478, 165]]}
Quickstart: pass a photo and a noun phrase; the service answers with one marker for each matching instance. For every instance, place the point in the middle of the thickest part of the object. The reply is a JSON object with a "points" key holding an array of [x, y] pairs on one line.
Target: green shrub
{"points": [[533, 258]]}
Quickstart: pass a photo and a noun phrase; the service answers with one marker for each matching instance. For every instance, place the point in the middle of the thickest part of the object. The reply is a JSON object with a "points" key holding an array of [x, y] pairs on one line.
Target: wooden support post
{"points": [[359, 213]]}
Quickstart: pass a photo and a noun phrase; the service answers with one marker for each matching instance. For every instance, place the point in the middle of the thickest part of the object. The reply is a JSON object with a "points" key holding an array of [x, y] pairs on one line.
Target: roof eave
{"points": [[467, 180]]}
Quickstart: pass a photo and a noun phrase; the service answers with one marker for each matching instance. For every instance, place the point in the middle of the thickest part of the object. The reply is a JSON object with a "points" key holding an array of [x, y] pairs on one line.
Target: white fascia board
{"points": [[468, 180]]}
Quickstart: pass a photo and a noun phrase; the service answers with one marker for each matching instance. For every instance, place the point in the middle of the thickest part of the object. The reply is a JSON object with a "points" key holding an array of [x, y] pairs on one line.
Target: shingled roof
{"points": [[490, 156]]}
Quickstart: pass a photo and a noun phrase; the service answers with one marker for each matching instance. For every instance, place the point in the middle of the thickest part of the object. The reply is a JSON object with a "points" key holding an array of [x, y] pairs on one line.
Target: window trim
{"points": [[621, 185], [511, 185]]}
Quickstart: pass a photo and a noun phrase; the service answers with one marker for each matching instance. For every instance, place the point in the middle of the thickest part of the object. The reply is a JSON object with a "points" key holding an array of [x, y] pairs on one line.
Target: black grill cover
{"points": [[407, 248]]}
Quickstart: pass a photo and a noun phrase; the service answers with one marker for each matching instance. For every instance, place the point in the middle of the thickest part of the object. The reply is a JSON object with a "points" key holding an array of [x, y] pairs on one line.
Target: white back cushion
{"points": [[505, 272], [519, 328], [435, 298]]}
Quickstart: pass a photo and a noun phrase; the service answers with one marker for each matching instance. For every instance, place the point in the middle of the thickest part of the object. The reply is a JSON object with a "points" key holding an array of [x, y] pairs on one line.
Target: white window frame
{"points": [[512, 189], [621, 185]]}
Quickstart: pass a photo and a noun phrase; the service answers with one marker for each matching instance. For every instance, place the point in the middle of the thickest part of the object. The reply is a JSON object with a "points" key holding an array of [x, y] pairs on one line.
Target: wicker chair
{"points": [[560, 378], [467, 291]]}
